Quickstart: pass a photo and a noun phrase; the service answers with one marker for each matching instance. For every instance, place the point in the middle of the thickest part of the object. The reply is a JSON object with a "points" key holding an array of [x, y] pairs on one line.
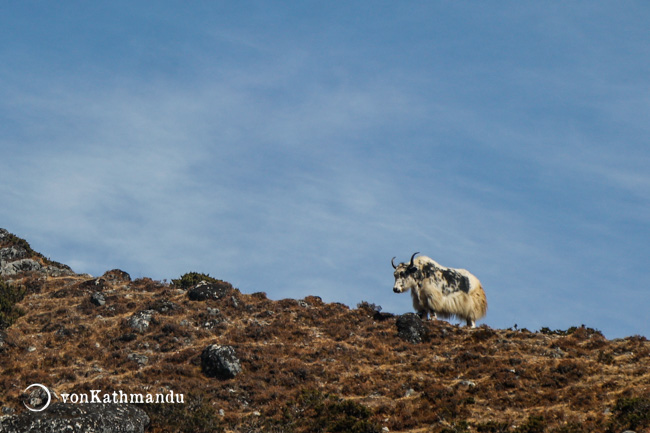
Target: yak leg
{"points": [[424, 315], [471, 323]]}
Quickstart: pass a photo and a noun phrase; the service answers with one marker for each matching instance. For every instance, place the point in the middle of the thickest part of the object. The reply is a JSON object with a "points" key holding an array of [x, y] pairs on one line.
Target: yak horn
{"points": [[392, 262], [412, 257]]}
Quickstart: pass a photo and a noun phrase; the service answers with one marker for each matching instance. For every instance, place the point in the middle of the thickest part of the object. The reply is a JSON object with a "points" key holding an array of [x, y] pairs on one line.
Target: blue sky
{"points": [[296, 147]]}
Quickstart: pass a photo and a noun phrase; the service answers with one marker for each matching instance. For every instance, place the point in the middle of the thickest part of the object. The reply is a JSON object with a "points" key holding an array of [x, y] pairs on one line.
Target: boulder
{"points": [[78, 418], [141, 320], [204, 291], [98, 299], [410, 328], [117, 276], [220, 362]]}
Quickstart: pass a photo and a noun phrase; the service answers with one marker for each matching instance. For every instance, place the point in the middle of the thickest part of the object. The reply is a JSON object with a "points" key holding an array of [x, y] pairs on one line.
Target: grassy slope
{"points": [[307, 364]]}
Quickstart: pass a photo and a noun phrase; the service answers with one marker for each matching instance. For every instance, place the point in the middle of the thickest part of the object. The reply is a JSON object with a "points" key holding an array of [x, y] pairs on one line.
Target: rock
{"points": [[117, 276], [555, 353], [95, 284], [204, 291], [12, 253], [98, 299], [37, 398], [164, 306], [411, 328], [141, 360], [141, 320], [220, 362], [20, 266], [79, 418], [54, 271]]}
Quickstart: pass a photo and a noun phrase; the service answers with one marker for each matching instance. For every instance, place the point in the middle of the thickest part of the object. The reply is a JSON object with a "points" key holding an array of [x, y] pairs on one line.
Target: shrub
{"points": [[9, 296], [195, 416], [371, 308], [493, 427], [631, 413], [314, 411], [191, 279], [534, 424]]}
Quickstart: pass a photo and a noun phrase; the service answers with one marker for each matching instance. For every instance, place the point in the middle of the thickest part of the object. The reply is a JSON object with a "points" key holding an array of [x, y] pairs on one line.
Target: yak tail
{"points": [[479, 303]]}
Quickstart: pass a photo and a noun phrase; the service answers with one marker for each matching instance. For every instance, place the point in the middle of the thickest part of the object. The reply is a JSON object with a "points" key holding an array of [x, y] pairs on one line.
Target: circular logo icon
{"points": [[47, 391]]}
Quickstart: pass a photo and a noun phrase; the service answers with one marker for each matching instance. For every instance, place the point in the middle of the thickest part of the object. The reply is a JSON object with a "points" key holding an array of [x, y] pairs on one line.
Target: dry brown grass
{"points": [[321, 359]]}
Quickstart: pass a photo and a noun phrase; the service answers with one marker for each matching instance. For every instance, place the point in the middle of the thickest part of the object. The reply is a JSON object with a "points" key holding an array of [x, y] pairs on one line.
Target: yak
{"points": [[440, 291]]}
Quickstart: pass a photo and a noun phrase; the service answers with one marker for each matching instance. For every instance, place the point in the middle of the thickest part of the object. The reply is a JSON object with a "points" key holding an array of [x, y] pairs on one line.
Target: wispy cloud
{"points": [[302, 165]]}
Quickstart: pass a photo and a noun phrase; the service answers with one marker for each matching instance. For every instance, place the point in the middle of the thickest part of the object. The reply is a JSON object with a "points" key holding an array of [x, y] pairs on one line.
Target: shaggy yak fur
{"points": [[441, 291]]}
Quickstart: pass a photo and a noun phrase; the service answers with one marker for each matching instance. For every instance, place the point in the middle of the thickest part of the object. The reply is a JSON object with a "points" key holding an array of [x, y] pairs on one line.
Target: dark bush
{"points": [[191, 279], [10, 295], [314, 411], [631, 413], [195, 416]]}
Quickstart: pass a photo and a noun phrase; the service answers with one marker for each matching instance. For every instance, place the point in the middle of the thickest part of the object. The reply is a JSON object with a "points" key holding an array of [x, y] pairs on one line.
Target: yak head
{"points": [[406, 275]]}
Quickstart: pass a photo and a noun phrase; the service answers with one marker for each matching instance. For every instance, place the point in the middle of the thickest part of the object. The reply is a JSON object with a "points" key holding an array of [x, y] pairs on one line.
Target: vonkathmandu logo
{"points": [[115, 397], [44, 389]]}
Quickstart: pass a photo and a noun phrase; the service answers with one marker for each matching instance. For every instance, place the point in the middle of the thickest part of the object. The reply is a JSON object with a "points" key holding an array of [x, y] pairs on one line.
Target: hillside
{"points": [[304, 365]]}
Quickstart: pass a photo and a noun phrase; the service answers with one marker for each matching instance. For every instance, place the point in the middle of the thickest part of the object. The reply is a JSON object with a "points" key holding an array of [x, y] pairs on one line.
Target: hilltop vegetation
{"points": [[309, 366]]}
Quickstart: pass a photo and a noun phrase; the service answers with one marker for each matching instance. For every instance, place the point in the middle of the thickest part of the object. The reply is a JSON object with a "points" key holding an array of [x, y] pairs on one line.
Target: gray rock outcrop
{"points": [[78, 418], [204, 291], [98, 299], [17, 257], [141, 320]]}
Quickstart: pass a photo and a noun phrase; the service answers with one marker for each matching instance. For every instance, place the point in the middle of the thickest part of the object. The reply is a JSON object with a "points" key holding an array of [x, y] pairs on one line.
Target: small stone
{"points": [[6, 410], [141, 360]]}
